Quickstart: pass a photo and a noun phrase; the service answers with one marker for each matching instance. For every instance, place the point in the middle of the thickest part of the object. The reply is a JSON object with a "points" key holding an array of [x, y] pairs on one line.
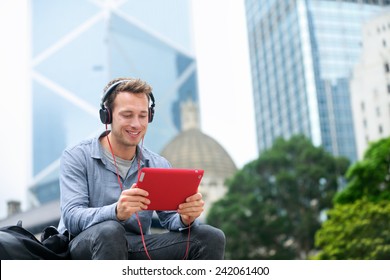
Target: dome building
{"points": [[194, 149]]}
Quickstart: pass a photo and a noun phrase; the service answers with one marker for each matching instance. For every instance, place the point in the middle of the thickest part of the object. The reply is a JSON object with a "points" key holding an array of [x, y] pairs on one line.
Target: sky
{"points": [[225, 91], [15, 114], [225, 88]]}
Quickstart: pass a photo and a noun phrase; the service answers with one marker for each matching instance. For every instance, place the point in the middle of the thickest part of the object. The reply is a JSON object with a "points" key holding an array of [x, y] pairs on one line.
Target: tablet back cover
{"points": [[169, 187]]}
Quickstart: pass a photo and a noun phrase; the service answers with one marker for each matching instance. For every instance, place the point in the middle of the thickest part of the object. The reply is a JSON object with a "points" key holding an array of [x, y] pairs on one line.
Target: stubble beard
{"points": [[122, 141]]}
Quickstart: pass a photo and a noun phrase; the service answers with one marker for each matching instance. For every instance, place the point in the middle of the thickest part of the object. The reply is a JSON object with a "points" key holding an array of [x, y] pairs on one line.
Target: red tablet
{"points": [[169, 187]]}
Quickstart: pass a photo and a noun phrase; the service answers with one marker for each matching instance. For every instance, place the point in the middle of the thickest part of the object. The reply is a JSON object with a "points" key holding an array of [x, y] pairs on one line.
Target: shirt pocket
{"points": [[106, 191]]}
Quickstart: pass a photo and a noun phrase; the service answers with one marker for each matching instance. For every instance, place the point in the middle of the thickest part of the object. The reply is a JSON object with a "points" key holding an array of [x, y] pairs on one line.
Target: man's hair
{"points": [[132, 85]]}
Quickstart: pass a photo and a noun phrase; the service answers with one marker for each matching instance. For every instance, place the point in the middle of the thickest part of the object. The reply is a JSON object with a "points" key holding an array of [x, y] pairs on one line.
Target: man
{"points": [[100, 204]]}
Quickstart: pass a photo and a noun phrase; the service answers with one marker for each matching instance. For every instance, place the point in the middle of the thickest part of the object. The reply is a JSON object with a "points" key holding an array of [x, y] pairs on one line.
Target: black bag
{"points": [[17, 243]]}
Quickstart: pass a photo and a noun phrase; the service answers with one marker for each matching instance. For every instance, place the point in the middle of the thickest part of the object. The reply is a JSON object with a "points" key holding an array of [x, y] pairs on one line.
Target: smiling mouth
{"points": [[133, 133]]}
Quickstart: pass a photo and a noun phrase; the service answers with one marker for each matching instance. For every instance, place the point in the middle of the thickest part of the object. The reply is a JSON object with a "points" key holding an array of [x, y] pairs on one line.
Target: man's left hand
{"points": [[191, 209]]}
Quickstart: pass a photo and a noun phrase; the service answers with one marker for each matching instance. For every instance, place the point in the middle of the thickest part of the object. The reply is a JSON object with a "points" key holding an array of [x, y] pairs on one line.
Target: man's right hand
{"points": [[131, 201]]}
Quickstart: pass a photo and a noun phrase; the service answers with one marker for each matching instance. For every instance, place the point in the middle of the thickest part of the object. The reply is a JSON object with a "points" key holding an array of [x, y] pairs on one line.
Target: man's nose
{"points": [[135, 122]]}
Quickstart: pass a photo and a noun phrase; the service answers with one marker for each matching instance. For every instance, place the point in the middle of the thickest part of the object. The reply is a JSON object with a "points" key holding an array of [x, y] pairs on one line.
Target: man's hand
{"points": [[131, 201], [191, 209]]}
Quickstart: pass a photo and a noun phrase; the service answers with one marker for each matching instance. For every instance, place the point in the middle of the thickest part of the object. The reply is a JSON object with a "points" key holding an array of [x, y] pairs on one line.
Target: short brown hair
{"points": [[133, 85]]}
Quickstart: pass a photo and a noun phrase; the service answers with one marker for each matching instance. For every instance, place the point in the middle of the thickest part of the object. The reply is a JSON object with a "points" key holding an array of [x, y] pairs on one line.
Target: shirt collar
{"points": [[97, 150]]}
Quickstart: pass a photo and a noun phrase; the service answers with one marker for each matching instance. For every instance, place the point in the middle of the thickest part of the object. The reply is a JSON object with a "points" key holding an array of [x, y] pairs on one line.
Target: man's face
{"points": [[130, 119]]}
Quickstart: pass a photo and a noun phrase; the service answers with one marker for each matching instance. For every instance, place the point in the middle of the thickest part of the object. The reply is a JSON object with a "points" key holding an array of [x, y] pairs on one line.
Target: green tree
{"points": [[273, 204], [359, 231], [370, 177], [359, 225]]}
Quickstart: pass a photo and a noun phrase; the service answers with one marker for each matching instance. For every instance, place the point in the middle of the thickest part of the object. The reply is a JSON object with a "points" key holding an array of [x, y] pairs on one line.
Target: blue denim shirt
{"points": [[90, 190]]}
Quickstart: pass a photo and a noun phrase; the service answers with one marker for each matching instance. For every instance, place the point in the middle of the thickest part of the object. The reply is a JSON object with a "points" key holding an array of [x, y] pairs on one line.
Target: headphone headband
{"points": [[110, 90], [106, 114]]}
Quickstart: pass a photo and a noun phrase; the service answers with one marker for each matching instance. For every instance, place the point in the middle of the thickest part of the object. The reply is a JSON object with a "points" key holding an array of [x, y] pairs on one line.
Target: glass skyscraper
{"points": [[78, 46], [302, 54]]}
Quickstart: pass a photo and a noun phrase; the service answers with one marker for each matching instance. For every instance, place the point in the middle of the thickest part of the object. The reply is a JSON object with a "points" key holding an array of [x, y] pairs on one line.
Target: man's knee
{"points": [[209, 243], [105, 240], [110, 230], [211, 235]]}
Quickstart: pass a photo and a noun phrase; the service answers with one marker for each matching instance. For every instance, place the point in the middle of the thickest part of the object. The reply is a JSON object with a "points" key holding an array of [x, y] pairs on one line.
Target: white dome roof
{"points": [[194, 149]]}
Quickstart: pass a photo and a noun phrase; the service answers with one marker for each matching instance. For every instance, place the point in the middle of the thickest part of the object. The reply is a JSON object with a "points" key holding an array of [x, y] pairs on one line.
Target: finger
{"points": [[196, 203], [135, 191], [133, 199], [191, 211], [127, 209], [195, 197], [133, 207], [137, 206]]}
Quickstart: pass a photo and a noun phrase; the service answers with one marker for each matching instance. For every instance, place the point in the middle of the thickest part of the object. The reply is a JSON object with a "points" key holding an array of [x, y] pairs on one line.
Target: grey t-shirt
{"points": [[122, 164]]}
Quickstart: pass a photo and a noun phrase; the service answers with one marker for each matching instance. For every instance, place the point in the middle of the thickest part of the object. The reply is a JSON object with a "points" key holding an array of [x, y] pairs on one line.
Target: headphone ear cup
{"points": [[105, 115], [151, 114]]}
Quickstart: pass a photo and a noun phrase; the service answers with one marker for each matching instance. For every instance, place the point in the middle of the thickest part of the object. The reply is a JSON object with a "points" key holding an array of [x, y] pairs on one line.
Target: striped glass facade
{"points": [[302, 54]]}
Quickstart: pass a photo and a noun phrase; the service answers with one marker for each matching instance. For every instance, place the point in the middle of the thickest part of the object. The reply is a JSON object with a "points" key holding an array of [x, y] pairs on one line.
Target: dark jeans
{"points": [[108, 240]]}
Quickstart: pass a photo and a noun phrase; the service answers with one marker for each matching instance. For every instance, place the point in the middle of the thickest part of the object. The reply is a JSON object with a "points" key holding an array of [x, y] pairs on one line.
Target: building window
{"points": [[365, 123], [362, 106], [388, 88], [378, 111], [384, 43], [387, 68], [380, 129]]}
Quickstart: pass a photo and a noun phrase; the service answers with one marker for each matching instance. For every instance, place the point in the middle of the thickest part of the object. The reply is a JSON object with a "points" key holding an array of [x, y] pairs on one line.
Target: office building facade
{"points": [[302, 54], [78, 46], [370, 84]]}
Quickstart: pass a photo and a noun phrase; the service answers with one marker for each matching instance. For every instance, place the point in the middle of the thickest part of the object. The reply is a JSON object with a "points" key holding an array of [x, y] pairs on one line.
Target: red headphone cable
{"points": [[136, 213]]}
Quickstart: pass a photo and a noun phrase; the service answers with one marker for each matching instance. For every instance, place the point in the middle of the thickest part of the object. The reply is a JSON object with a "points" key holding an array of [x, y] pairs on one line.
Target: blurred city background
{"points": [[284, 103]]}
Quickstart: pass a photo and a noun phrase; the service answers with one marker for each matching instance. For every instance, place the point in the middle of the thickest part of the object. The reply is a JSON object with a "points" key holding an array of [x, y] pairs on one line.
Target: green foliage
{"points": [[359, 231], [369, 178], [272, 207], [359, 225]]}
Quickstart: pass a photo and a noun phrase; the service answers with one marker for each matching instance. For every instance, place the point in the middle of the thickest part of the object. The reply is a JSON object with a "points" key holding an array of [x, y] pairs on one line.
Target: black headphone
{"points": [[106, 114]]}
